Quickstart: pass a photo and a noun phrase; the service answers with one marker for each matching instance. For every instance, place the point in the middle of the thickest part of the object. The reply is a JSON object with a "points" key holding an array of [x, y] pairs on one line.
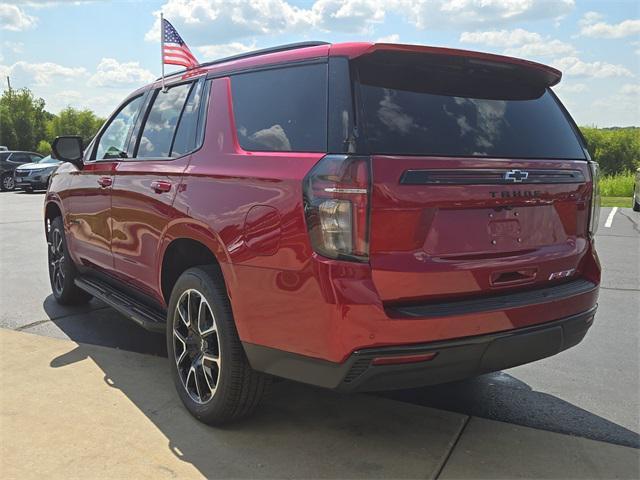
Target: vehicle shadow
{"points": [[503, 397], [332, 425]]}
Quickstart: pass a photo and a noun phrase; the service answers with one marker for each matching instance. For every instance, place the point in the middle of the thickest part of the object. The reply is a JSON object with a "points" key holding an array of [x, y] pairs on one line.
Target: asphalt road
{"points": [[590, 391]]}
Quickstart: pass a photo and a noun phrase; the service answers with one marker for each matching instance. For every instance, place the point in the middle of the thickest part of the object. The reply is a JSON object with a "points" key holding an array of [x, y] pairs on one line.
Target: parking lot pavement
{"points": [[589, 391], [95, 412]]}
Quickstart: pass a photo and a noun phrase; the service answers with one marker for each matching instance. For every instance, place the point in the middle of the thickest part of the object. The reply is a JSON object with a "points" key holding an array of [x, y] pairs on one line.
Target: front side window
{"points": [[282, 110], [160, 126], [113, 141]]}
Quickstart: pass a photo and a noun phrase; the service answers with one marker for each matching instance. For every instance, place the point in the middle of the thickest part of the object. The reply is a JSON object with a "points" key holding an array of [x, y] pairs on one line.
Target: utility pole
{"points": [[9, 83]]}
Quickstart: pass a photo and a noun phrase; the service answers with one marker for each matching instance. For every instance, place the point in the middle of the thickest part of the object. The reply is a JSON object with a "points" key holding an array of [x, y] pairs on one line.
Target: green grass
{"points": [[620, 185], [615, 202]]}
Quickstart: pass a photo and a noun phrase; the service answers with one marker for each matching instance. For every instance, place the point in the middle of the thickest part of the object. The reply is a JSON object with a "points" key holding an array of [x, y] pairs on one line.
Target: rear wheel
{"points": [[636, 203], [28, 189], [7, 182], [62, 271], [208, 364]]}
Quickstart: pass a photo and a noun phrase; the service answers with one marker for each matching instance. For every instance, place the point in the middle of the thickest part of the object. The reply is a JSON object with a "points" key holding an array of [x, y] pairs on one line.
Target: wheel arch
{"points": [[186, 245]]}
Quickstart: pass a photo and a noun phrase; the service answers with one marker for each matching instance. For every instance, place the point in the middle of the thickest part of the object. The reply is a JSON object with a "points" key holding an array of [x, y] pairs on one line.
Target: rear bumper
{"points": [[454, 359]]}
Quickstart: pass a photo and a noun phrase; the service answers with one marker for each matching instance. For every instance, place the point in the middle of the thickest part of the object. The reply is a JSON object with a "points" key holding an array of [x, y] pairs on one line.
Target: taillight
{"points": [[595, 198], [336, 205]]}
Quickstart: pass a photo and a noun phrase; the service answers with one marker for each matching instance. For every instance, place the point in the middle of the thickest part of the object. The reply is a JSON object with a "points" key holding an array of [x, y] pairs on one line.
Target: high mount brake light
{"points": [[595, 198], [336, 204]]}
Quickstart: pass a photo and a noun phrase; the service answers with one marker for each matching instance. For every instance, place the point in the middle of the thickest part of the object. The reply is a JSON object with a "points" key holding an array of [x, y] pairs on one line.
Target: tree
{"points": [[74, 122], [22, 119], [44, 147], [616, 150]]}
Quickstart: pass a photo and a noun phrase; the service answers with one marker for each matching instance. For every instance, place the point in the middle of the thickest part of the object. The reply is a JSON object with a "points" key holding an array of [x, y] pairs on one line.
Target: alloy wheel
{"points": [[8, 182], [56, 261], [196, 346]]}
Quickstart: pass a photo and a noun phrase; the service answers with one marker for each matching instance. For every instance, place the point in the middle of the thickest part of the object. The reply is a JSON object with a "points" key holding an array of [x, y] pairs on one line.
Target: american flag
{"points": [[174, 50]]}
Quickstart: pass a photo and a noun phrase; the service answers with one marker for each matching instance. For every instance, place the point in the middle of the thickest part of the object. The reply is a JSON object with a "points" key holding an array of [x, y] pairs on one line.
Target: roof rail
{"points": [[255, 53]]}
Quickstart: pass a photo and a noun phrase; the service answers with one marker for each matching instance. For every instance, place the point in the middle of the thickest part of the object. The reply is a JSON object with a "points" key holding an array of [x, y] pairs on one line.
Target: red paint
{"points": [[247, 209]]}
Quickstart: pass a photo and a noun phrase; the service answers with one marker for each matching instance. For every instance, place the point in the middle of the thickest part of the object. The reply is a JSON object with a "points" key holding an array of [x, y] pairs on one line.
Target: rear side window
{"points": [[417, 112], [185, 140], [282, 109], [4, 155], [162, 121]]}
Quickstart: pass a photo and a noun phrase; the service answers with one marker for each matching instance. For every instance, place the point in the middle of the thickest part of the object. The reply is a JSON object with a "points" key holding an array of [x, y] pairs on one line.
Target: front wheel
{"points": [[62, 271], [7, 183], [208, 364]]}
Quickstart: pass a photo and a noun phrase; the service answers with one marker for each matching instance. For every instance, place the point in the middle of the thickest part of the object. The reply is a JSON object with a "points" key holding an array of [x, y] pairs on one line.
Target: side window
{"points": [[185, 140], [35, 158], [282, 109], [159, 128], [112, 143], [19, 158]]}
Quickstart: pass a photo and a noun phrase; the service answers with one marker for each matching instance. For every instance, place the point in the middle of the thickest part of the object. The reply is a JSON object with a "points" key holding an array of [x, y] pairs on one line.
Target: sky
{"points": [[92, 53]]}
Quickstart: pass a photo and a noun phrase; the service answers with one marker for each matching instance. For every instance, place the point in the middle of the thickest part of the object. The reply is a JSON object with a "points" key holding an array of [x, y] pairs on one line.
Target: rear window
{"points": [[283, 109], [423, 111]]}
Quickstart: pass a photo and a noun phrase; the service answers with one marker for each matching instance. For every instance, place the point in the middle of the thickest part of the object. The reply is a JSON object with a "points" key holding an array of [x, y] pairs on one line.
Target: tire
{"points": [[207, 361], [7, 182], [636, 204], [62, 271], [28, 189]]}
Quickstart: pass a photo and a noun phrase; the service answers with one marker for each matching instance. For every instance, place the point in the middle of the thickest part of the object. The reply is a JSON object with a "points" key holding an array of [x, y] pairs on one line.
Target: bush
{"points": [[617, 150], [43, 147], [620, 185]]}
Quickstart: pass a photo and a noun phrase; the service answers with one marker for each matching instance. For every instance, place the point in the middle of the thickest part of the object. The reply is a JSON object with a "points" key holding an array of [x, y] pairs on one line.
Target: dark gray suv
{"points": [[9, 160]]}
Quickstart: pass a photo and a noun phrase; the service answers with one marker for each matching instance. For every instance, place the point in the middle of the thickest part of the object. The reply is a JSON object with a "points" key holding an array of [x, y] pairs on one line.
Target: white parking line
{"points": [[610, 217]]}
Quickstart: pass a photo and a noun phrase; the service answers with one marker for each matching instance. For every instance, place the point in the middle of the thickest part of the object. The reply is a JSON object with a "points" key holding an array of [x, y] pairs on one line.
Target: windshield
{"points": [[413, 110]]}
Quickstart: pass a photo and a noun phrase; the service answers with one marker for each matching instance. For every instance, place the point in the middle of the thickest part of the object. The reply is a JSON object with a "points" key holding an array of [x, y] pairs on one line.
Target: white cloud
{"points": [[501, 38], [519, 42], [575, 67], [202, 22], [26, 74], [393, 38], [212, 52], [565, 87], [111, 73], [592, 27], [436, 13], [351, 16], [15, 19], [630, 89]]}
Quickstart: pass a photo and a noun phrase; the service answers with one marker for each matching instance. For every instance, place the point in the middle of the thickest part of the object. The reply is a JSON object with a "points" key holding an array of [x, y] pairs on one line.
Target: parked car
{"points": [[636, 192], [35, 176], [354, 216], [9, 160], [3, 148]]}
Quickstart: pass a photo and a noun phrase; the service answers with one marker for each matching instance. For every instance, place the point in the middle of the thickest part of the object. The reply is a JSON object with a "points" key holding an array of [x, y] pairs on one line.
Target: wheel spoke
{"points": [[200, 366], [183, 341], [203, 313]]}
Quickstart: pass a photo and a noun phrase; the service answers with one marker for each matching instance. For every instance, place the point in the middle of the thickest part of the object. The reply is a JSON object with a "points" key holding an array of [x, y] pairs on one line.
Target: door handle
{"points": [[161, 186], [105, 182]]}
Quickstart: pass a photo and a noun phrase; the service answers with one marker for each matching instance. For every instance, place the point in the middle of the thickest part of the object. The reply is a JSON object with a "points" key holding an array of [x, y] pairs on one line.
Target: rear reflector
{"points": [[423, 357]]}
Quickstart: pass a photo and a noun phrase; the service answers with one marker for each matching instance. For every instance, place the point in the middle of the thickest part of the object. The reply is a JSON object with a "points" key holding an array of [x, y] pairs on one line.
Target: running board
{"points": [[137, 311]]}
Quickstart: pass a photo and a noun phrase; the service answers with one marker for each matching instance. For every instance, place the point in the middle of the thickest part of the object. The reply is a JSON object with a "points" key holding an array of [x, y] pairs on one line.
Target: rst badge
{"points": [[562, 274]]}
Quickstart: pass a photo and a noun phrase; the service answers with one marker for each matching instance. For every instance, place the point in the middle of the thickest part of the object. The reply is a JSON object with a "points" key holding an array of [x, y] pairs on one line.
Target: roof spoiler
{"points": [[541, 74]]}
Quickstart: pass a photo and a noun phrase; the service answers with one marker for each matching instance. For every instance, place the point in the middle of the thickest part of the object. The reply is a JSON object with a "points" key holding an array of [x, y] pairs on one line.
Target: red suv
{"points": [[355, 216]]}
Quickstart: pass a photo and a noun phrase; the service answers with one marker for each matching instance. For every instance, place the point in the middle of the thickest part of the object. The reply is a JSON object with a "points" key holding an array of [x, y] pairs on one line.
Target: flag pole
{"points": [[164, 89]]}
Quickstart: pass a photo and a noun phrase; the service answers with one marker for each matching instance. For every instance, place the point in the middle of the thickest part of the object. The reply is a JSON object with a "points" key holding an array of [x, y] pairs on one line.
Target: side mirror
{"points": [[68, 148]]}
